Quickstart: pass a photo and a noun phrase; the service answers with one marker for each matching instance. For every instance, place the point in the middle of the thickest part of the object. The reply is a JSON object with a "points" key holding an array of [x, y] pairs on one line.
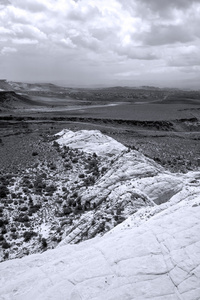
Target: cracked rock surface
{"points": [[154, 254]]}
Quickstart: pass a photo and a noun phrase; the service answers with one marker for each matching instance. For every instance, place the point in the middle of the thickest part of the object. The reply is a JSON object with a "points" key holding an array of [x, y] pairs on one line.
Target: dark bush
{"points": [[75, 160], [4, 180], [44, 243], [53, 166], [33, 209], [3, 230], [6, 255], [67, 210], [3, 191], [22, 218], [90, 180], [81, 176], [13, 229], [68, 166], [24, 208], [34, 153], [75, 195], [5, 245], [55, 144], [1, 222], [51, 188], [14, 236], [28, 235], [27, 224]]}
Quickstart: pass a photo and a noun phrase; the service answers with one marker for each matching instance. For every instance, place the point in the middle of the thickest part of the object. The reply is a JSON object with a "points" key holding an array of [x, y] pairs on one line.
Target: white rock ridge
{"points": [[90, 141], [131, 181]]}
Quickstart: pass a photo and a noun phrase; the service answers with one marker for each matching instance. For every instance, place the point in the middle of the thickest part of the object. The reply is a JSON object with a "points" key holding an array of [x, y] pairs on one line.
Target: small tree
{"points": [[44, 243], [5, 245], [28, 235]]}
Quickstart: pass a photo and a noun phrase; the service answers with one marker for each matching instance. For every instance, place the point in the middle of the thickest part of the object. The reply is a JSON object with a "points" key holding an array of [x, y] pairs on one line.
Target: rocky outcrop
{"points": [[91, 141], [153, 255], [131, 181]]}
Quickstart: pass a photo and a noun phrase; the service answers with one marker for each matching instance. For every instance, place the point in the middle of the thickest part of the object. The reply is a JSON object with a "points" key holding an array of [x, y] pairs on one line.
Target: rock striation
{"points": [[131, 181], [153, 255]]}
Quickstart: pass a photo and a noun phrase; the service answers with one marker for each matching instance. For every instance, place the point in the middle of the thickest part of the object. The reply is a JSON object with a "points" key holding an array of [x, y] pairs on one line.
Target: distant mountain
{"points": [[5, 86], [12, 100]]}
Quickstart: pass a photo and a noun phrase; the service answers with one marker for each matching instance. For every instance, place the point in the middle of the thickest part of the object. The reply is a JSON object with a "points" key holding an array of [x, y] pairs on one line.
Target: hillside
{"points": [[10, 100], [154, 254], [86, 184]]}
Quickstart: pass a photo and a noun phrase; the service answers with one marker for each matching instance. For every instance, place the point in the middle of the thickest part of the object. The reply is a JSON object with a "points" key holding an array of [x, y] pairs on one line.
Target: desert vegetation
{"points": [[45, 193], [41, 183]]}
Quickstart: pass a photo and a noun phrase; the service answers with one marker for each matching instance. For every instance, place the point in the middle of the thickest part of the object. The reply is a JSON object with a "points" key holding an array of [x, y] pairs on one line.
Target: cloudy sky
{"points": [[89, 42]]}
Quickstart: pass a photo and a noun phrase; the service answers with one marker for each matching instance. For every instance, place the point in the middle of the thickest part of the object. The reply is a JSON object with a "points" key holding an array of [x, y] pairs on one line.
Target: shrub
{"points": [[90, 180], [67, 210], [94, 155], [103, 170], [34, 153], [4, 180], [24, 208], [6, 255], [1, 223], [14, 236], [27, 224], [35, 208], [22, 218], [75, 195], [3, 191], [28, 235], [53, 166], [78, 209], [55, 144], [51, 189], [75, 160], [13, 229], [5, 245], [68, 166], [81, 176], [44, 243]]}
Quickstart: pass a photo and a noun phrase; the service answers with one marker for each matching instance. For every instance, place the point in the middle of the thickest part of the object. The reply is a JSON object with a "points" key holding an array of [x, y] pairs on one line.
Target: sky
{"points": [[101, 42]]}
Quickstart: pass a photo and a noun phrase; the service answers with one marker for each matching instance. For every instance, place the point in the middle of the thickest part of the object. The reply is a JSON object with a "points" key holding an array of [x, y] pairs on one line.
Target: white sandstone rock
{"points": [[90, 141]]}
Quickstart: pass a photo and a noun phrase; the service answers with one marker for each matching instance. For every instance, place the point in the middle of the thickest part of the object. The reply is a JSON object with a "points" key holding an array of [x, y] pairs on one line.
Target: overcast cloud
{"points": [[87, 42]]}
